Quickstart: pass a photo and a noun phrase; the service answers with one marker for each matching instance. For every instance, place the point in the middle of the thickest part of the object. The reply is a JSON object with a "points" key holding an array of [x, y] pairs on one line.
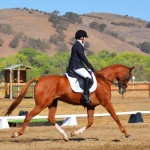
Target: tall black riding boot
{"points": [[85, 97]]}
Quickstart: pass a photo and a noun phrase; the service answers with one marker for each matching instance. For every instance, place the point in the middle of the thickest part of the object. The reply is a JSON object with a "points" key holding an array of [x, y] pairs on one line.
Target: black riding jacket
{"points": [[78, 58]]}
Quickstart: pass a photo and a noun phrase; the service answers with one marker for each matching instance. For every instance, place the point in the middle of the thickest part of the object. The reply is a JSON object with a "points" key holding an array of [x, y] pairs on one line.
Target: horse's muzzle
{"points": [[122, 91], [122, 88]]}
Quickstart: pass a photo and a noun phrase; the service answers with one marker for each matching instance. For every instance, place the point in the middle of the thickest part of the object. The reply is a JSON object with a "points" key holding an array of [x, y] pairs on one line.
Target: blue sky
{"points": [[133, 8]]}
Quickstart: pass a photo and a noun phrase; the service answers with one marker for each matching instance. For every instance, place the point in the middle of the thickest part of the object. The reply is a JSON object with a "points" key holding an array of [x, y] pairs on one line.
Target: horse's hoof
{"points": [[73, 134], [127, 136], [14, 135], [66, 139]]}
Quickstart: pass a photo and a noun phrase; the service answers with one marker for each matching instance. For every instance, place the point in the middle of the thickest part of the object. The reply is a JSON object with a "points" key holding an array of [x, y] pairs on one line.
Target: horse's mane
{"points": [[114, 65], [98, 74]]}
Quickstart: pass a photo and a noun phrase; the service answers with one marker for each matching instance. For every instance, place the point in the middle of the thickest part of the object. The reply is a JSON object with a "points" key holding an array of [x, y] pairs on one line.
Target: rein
{"points": [[127, 77], [113, 82]]}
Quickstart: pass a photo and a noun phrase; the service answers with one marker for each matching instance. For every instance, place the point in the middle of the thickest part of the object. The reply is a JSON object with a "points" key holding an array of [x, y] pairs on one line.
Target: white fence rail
{"points": [[68, 120]]}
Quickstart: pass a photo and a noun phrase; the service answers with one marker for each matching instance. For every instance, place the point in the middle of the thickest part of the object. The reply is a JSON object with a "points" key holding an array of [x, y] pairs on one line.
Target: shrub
{"points": [[15, 41], [62, 46], [36, 43], [56, 38], [102, 27], [6, 28], [86, 46], [94, 25], [112, 33], [97, 26], [58, 22], [1, 42], [72, 41], [89, 53], [73, 17], [145, 47], [148, 25], [123, 24], [61, 25]]}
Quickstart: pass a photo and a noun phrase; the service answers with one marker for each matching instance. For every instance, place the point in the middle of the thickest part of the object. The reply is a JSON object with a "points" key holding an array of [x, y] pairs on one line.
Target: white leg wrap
{"points": [[79, 131], [61, 131]]}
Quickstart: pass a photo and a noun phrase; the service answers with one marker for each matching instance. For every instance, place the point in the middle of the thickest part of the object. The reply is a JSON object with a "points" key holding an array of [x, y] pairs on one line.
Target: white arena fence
{"points": [[68, 120]]}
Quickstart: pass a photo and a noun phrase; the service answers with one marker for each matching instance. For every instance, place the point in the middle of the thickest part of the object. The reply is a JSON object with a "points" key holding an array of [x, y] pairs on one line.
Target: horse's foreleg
{"points": [[51, 119], [61, 131], [111, 110], [90, 113], [28, 117]]}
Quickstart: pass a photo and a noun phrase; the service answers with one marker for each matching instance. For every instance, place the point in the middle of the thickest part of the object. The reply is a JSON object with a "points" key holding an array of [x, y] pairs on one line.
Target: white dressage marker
{"points": [[69, 120], [4, 123]]}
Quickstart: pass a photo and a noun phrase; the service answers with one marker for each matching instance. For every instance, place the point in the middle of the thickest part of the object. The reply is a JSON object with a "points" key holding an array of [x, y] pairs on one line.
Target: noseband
{"points": [[127, 78]]}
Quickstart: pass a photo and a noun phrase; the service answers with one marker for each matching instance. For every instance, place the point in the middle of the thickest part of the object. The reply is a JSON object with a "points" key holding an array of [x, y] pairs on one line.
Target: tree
{"points": [[58, 63], [102, 27], [15, 41], [36, 43], [57, 38], [6, 28], [58, 22], [94, 25], [97, 26], [145, 47], [73, 17]]}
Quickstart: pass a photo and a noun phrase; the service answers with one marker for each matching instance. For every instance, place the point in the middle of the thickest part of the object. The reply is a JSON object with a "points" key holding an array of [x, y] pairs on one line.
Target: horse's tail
{"points": [[19, 98]]}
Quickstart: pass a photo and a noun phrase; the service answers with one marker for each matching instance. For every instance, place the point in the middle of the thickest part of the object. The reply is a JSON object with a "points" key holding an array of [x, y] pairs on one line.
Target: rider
{"points": [[78, 61]]}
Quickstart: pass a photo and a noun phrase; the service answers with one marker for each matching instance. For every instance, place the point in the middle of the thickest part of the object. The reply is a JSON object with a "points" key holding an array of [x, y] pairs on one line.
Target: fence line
{"points": [[136, 86]]}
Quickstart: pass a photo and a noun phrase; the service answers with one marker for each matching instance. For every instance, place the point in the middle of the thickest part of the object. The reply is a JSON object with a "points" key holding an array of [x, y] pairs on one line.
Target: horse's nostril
{"points": [[122, 91]]}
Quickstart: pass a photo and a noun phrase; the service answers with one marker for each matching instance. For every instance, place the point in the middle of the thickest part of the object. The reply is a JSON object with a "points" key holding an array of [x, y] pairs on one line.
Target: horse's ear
{"points": [[131, 68]]}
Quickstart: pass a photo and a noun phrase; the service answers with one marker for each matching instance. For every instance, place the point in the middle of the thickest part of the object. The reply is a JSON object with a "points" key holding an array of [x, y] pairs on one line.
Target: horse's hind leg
{"points": [[51, 119], [37, 109], [90, 116]]}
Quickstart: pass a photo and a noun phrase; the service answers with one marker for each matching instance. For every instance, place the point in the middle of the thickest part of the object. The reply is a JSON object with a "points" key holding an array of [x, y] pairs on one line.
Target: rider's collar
{"points": [[81, 42]]}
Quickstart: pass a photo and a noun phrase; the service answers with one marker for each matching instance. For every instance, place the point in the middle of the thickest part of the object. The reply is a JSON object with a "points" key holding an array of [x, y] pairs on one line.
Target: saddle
{"points": [[77, 82]]}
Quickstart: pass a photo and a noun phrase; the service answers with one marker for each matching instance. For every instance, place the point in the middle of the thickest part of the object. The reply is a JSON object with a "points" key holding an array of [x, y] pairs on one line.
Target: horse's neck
{"points": [[109, 73]]}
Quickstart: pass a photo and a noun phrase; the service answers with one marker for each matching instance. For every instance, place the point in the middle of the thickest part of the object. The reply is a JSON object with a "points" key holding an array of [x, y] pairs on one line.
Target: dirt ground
{"points": [[103, 135]]}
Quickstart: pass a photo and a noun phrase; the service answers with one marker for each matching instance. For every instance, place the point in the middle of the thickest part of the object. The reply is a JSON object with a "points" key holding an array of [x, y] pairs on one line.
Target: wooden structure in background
{"points": [[15, 78]]}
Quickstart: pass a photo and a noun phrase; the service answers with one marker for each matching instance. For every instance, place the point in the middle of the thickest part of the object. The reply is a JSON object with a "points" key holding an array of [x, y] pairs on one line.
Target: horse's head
{"points": [[123, 78]]}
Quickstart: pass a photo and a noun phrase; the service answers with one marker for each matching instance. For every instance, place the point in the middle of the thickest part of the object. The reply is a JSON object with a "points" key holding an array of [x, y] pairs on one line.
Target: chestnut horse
{"points": [[49, 89]]}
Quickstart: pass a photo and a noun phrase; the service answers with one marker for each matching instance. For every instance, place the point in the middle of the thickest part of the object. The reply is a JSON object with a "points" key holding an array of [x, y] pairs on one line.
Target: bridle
{"points": [[119, 84], [126, 78]]}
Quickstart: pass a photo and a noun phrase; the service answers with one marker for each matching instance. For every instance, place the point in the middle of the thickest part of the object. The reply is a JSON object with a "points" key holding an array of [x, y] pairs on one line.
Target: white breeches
{"points": [[83, 73]]}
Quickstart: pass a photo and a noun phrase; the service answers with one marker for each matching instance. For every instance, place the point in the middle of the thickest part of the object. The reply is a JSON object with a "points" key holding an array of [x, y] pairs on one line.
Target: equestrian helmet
{"points": [[80, 33]]}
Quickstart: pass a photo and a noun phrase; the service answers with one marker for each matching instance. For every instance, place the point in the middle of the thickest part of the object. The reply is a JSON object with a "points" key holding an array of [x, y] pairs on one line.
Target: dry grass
{"points": [[22, 21]]}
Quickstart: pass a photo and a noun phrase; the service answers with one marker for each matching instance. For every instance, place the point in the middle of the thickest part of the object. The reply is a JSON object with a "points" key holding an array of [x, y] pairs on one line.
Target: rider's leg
{"points": [[85, 96], [87, 79]]}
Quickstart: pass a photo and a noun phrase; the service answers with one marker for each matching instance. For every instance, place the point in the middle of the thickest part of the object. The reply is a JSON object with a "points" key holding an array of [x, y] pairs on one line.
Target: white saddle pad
{"points": [[75, 84]]}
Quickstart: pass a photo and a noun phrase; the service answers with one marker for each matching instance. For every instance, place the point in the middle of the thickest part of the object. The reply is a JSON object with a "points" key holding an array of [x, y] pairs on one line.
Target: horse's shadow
{"points": [[58, 140], [53, 140], [70, 139]]}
